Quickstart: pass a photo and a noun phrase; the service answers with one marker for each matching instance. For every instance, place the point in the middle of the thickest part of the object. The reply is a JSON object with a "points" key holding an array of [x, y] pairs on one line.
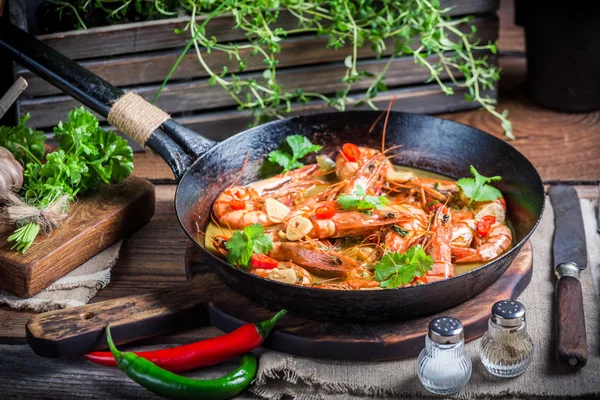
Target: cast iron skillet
{"points": [[205, 168]]}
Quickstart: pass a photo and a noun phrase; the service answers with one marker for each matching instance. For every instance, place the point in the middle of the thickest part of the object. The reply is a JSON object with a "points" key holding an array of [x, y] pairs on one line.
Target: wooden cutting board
{"points": [[95, 222], [207, 300]]}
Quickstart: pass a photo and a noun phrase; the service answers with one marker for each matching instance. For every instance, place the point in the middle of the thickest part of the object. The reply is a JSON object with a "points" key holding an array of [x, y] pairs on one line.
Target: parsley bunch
{"points": [[87, 156], [292, 150], [361, 201], [477, 189], [396, 269], [243, 244]]}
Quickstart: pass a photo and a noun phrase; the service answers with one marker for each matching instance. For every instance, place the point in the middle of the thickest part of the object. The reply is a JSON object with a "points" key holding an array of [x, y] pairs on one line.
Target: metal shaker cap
{"points": [[445, 330], [508, 313]]}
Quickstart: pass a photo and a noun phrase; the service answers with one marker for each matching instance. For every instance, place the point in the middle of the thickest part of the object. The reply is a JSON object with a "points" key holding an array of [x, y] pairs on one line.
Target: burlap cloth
{"points": [[72, 290], [284, 376]]}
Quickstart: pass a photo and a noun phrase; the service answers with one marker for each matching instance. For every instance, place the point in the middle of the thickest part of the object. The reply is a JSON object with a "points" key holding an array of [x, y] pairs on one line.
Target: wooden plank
{"points": [[23, 375], [70, 332], [563, 147], [200, 95], [156, 35], [95, 222], [512, 36], [134, 70], [151, 258]]}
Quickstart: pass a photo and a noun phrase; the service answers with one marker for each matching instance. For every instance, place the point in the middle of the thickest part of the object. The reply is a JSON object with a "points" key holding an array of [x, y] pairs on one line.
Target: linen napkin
{"points": [[284, 376], [72, 290]]}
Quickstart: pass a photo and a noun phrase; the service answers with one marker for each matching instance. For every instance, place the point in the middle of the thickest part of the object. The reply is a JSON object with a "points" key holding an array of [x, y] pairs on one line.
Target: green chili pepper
{"points": [[168, 384]]}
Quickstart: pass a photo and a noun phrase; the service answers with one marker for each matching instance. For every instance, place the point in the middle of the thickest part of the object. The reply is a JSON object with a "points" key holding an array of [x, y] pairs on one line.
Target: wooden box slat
{"points": [[138, 56], [157, 35], [152, 68], [220, 125], [200, 95]]}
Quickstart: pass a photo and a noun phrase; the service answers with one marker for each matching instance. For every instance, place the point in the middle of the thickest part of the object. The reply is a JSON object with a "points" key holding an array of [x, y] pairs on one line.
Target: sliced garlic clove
{"points": [[399, 176], [493, 208], [297, 228], [276, 211], [283, 275]]}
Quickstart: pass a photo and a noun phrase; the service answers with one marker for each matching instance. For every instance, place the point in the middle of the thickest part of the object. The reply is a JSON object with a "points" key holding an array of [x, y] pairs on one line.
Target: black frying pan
{"points": [[205, 168]]}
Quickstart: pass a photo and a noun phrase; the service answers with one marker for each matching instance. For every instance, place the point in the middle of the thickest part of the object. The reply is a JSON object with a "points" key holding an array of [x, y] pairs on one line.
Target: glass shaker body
{"points": [[443, 366], [506, 351]]}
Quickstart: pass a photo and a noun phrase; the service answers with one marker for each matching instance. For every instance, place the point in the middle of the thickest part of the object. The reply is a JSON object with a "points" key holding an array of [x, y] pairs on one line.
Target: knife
{"points": [[570, 258]]}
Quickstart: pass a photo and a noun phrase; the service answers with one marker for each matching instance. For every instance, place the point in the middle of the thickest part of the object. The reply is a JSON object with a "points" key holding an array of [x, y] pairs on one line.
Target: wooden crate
{"points": [[137, 57]]}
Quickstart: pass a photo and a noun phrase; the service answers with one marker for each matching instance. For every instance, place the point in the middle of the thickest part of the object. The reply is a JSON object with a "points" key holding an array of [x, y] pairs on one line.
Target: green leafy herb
{"points": [[396, 269], [299, 147], [87, 156], [25, 144], [243, 244], [361, 201], [477, 189]]}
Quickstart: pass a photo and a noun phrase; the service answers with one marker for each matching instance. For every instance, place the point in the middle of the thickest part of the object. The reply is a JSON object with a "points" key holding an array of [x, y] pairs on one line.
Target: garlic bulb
{"points": [[11, 172]]}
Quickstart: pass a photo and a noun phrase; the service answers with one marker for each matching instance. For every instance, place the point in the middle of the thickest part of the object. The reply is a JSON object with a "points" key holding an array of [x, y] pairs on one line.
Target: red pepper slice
{"points": [[263, 261], [236, 204], [484, 225], [325, 211], [351, 152], [204, 353]]}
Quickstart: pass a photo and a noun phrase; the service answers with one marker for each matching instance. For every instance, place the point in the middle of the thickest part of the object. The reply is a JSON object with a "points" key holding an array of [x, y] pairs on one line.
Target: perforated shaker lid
{"points": [[508, 313], [446, 330]]}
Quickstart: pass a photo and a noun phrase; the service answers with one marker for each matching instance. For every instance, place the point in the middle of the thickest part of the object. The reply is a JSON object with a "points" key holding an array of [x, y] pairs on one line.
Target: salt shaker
{"points": [[443, 366], [507, 348]]}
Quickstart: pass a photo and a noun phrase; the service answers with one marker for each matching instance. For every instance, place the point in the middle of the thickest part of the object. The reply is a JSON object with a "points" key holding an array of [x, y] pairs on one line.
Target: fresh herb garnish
{"points": [[243, 244], [86, 157], [361, 201], [399, 230], [299, 146], [396, 269], [477, 189]]}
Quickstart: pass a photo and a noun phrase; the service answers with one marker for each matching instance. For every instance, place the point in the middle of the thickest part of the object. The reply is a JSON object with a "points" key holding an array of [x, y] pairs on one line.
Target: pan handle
{"points": [[177, 145]]}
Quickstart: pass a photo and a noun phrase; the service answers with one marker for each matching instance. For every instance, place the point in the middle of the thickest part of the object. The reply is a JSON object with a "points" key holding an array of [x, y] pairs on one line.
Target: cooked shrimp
{"points": [[439, 247], [345, 169], [345, 223], [238, 207], [315, 257], [409, 232], [495, 244]]}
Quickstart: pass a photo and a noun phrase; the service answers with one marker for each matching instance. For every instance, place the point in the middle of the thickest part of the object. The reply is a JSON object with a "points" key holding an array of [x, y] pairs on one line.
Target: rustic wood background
{"points": [[146, 52], [563, 147]]}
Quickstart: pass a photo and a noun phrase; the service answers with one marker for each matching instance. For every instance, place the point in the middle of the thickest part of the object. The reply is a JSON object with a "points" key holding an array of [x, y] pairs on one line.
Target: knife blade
{"points": [[570, 258]]}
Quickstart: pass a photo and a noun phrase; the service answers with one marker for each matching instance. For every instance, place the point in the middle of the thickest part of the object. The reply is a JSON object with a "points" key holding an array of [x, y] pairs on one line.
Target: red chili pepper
{"points": [[325, 211], [204, 353], [434, 205], [263, 261], [484, 225], [236, 204], [351, 152]]}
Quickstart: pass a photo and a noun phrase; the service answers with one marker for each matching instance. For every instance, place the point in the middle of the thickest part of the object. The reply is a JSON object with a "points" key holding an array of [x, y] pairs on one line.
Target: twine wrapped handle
{"points": [[136, 117]]}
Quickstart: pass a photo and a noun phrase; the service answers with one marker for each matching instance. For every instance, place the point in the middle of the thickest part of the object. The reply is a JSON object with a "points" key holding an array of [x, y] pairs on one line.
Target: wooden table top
{"points": [[563, 147]]}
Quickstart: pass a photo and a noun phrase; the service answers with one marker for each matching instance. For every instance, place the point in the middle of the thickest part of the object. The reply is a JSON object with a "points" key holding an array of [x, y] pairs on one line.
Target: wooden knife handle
{"points": [[81, 329], [571, 341]]}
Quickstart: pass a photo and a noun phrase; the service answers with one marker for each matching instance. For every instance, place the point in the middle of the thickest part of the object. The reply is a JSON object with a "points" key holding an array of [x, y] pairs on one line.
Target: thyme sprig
{"points": [[417, 28]]}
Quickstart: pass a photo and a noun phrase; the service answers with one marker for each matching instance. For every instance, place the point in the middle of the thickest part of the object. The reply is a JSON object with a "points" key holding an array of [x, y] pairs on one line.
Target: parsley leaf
{"points": [[361, 201], [108, 156], [87, 156], [396, 269], [477, 189], [299, 146], [243, 244], [25, 144]]}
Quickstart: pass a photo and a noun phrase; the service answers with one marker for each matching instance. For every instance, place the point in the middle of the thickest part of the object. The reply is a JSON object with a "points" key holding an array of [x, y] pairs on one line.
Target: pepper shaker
{"points": [[443, 365], [507, 348]]}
